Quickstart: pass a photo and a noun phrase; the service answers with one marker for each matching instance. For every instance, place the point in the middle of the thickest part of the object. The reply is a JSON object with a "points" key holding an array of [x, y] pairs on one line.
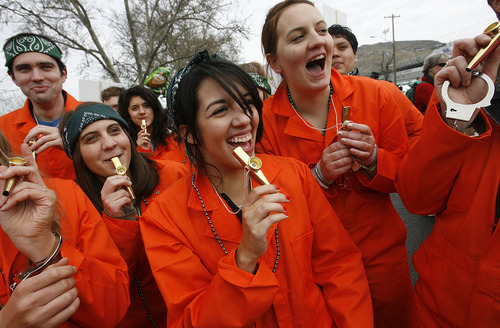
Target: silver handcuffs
{"points": [[464, 112]]}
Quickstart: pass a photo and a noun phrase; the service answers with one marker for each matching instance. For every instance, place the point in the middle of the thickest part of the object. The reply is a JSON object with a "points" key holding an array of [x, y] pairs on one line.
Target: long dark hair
{"points": [[227, 75], [142, 170], [161, 125]]}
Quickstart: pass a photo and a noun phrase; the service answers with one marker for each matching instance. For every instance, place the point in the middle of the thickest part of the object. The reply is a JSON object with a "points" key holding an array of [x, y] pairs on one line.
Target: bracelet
{"points": [[33, 271], [320, 176]]}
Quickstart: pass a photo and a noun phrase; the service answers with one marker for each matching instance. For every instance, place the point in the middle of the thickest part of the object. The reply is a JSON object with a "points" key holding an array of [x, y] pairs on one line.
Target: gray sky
{"points": [[441, 20]]}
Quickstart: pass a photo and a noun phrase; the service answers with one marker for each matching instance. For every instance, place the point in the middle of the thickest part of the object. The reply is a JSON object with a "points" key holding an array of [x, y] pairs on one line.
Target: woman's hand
{"points": [[143, 140], [45, 300], [361, 143], [464, 88], [261, 210], [27, 214], [335, 161], [116, 199]]}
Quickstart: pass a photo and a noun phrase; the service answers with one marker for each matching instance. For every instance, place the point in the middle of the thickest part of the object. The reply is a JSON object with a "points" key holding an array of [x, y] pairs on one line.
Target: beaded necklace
{"points": [[276, 234], [140, 287], [296, 110]]}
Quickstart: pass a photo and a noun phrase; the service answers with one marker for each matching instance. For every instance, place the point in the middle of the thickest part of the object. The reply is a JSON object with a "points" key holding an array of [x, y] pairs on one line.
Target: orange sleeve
{"points": [[102, 277], [428, 172], [392, 143]]}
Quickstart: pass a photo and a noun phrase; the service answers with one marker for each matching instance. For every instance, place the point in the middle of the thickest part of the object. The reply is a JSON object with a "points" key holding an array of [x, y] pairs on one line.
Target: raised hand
{"points": [[28, 213], [261, 210]]}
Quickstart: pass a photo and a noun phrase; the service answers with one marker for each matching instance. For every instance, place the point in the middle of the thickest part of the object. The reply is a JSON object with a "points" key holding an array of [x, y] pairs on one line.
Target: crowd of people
{"points": [[127, 214]]}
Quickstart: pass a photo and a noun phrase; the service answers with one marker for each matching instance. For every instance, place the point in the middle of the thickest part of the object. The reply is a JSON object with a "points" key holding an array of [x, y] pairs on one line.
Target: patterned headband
{"points": [[200, 57], [260, 82], [29, 43], [84, 117]]}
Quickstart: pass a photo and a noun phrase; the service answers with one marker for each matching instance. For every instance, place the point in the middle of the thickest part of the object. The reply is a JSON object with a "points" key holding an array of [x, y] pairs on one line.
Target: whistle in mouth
{"points": [[143, 125], [346, 117], [13, 181], [122, 170], [494, 31], [254, 164]]}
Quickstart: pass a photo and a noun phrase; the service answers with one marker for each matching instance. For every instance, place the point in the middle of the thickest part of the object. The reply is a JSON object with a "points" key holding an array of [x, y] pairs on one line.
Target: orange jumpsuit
{"points": [[364, 206], [319, 282], [101, 278], [172, 151], [127, 237], [17, 124], [411, 115], [457, 177]]}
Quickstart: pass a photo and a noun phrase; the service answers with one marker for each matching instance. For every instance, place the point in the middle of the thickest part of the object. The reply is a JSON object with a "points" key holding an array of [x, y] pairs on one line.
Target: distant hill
{"points": [[409, 54]]}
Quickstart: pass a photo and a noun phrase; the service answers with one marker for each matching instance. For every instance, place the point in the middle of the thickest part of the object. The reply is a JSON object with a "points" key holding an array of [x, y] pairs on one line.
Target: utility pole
{"points": [[393, 46]]}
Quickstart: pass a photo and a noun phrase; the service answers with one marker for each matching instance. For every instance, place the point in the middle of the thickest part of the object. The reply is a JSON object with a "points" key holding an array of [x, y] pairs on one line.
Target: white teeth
{"points": [[318, 57], [239, 139]]}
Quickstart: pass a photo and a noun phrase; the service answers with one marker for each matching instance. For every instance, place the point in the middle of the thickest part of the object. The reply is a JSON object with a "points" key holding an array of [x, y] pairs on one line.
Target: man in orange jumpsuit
{"points": [[35, 66], [453, 171]]}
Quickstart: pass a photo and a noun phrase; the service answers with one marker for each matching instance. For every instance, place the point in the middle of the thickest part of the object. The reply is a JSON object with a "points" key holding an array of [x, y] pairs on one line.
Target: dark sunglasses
{"points": [[441, 64]]}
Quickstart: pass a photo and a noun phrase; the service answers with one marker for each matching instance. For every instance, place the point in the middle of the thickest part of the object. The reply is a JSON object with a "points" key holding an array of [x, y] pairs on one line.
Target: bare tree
{"points": [[129, 40]]}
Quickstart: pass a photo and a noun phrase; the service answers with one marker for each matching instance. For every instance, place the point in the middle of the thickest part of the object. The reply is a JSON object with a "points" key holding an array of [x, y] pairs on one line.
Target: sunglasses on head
{"points": [[441, 64]]}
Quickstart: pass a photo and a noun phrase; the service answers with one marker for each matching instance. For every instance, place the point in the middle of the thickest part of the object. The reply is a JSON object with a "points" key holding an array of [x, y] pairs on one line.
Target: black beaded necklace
{"points": [[296, 109], [140, 288], [276, 234]]}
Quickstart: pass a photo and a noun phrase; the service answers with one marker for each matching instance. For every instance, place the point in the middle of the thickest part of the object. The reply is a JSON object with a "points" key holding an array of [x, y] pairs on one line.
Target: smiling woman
{"points": [[354, 163], [225, 249], [95, 136]]}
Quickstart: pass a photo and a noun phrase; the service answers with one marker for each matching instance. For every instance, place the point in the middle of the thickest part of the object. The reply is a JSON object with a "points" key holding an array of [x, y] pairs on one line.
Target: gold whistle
{"points": [[13, 181], [254, 164], [143, 126], [122, 170], [346, 117], [494, 31]]}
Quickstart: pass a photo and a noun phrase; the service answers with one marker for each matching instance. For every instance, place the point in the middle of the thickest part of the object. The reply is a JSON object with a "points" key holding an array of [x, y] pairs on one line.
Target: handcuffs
{"points": [[464, 112]]}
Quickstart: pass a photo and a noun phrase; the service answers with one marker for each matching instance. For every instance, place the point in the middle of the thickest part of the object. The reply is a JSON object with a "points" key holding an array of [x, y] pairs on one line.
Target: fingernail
{"points": [[288, 197], [284, 209], [340, 133], [277, 187], [286, 213]]}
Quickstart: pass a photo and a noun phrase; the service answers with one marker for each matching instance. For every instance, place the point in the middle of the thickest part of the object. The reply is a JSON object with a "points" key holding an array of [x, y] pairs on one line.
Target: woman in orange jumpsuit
{"points": [[355, 168], [92, 135], [453, 171], [229, 252], [138, 104], [85, 282]]}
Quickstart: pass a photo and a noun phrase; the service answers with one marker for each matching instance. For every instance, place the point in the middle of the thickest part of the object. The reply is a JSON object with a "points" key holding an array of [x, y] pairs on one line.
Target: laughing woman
{"points": [[355, 165], [92, 135], [229, 252]]}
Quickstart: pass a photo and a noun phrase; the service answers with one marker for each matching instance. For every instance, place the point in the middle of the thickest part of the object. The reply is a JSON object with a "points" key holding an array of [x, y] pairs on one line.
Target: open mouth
{"points": [[316, 65]]}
